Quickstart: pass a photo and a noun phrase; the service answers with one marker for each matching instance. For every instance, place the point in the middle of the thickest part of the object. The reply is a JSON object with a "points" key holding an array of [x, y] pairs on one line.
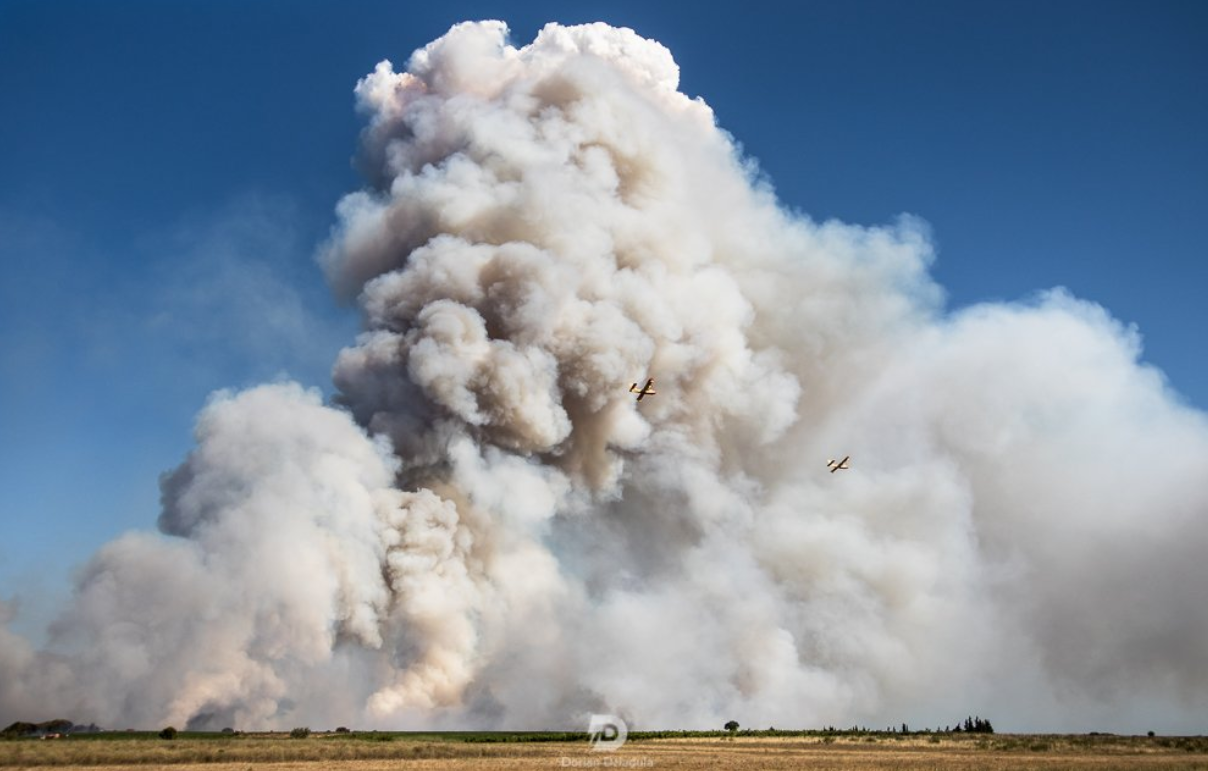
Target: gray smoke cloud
{"points": [[488, 530]]}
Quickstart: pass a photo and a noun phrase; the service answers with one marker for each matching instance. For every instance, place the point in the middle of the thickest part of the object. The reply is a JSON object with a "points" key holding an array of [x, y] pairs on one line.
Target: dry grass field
{"points": [[846, 753]]}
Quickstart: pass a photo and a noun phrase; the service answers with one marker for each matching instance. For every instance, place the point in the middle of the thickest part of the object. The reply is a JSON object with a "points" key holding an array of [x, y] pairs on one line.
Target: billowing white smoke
{"points": [[490, 531]]}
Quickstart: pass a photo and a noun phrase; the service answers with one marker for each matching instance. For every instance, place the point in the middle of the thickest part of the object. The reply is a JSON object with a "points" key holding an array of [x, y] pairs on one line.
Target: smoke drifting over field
{"points": [[488, 531]]}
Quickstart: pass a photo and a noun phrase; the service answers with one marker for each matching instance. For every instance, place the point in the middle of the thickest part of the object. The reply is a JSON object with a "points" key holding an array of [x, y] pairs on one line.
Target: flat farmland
{"points": [[378, 752]]}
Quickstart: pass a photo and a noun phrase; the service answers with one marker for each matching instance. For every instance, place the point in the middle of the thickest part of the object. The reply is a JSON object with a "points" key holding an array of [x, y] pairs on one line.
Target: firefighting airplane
{"points": [[843, 464], [646, 390]]}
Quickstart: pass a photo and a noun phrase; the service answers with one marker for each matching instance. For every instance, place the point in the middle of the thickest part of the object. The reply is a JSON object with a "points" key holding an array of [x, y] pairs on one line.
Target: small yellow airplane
{"points": [[646, 390], [835, 466]]}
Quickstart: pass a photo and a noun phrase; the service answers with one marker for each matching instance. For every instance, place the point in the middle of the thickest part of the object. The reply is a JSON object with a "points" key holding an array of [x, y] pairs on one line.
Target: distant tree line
{"points": [[974, 725], [48, 727], [971, 724]]}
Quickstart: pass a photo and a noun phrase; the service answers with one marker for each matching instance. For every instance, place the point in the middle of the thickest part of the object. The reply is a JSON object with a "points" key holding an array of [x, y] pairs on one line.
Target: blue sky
{"points": [[168, 168]]}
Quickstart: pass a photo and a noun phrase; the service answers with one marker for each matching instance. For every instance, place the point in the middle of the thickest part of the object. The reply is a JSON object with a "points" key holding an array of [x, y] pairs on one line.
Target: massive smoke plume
{"points": [[487, 530]]}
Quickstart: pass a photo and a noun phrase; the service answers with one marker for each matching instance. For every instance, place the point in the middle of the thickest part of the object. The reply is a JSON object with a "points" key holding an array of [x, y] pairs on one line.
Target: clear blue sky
{"points": [[167, 168]]}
